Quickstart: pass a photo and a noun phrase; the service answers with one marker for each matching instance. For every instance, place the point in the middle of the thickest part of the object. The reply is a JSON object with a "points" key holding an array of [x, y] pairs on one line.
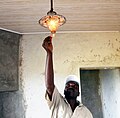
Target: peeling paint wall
{"points": [[71, 51]]}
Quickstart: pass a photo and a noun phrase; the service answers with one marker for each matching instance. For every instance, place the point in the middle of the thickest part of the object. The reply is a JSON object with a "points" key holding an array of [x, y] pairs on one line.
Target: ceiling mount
{"points": [[52, 20]]}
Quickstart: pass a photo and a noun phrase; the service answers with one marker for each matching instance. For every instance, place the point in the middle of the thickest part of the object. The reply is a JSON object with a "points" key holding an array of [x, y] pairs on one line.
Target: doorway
{"points": [[100, 91], [90, 91]]}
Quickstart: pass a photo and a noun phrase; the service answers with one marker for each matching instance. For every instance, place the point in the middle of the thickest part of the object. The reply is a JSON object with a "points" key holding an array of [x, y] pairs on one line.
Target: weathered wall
{"points": [[9, 57], [71, 52], [11, 103], [110, 85]]}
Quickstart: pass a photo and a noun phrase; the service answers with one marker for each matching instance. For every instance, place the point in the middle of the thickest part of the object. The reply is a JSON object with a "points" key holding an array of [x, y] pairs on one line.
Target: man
{"points": [[62, 107]]}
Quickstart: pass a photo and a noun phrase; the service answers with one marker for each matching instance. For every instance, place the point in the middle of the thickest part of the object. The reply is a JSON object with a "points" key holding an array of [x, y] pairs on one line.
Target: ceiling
{"points": [[22, 16]]}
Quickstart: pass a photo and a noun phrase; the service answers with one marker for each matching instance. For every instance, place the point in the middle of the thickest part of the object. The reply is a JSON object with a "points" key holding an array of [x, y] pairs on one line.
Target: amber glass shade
{"points": [[52, 21]]}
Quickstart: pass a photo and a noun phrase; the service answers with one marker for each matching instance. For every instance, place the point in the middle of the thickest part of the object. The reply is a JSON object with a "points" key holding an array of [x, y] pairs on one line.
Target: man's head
{"points": [[71, 87]]}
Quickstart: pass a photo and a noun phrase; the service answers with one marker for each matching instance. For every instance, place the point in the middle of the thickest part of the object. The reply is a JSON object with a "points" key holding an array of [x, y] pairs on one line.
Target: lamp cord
{"points": [[51, 5]]}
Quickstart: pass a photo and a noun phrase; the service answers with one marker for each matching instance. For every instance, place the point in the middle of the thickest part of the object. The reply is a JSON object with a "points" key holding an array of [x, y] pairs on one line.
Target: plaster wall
{"points": [[110, 85], [71, 52]]}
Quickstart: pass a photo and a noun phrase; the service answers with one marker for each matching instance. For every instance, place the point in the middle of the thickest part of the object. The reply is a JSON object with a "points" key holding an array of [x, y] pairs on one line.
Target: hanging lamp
{"points": [[52, 20]]}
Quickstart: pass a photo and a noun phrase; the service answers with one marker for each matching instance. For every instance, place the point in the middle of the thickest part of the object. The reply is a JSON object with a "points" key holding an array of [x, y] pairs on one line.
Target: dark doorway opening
{"points": [[90, 91]]}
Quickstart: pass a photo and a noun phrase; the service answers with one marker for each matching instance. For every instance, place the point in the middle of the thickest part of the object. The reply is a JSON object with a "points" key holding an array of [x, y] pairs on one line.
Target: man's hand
{"points": [[47, 44]]}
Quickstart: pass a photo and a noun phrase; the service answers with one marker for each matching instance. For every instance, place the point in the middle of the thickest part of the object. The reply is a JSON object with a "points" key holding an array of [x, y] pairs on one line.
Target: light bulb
{"points": [[53, 24]]}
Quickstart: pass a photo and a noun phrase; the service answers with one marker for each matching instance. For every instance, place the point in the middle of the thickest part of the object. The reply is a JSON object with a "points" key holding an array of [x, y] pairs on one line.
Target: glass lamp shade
{"points": [[52, 21]]}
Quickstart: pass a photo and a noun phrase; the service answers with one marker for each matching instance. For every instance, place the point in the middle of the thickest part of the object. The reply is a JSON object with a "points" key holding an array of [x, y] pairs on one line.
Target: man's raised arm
{"points": [[49, 72]]}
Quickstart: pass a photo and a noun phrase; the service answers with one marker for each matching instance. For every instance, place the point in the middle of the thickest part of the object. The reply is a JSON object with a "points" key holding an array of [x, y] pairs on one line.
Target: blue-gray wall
{"points": [[11, 97]]}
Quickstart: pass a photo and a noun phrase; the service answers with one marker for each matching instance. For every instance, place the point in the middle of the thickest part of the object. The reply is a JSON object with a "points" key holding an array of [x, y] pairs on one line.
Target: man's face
{"points": [[71, 90]]}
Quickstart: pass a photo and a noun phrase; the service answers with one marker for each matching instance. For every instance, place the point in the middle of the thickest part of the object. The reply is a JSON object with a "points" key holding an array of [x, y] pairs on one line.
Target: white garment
{"points": [[60, 108]]}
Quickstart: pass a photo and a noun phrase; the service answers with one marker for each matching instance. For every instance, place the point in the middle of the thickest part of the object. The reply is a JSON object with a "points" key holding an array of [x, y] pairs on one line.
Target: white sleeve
{"points": [[56, 98]]}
